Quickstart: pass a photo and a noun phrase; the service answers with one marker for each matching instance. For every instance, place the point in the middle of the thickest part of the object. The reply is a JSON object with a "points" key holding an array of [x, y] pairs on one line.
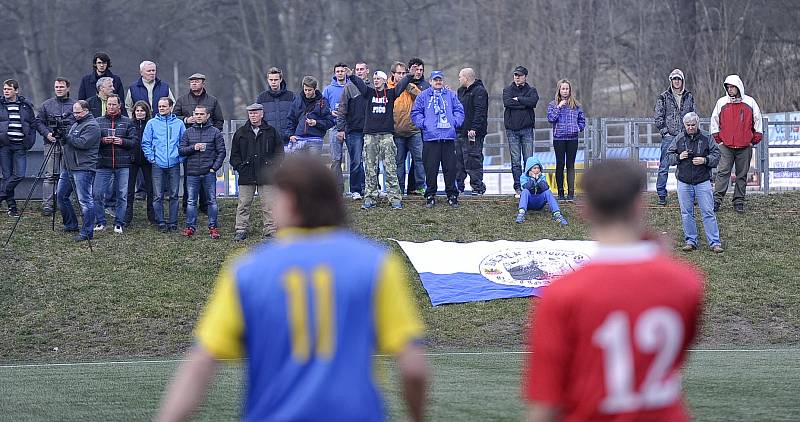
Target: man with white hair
{"points": [[97, 103], [147, 88], [695, 154]]}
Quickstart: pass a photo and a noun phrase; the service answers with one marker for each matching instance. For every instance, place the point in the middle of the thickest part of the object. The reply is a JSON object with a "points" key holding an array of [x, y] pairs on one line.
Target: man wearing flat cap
{"points": [[256, 151], [519, 100], [184, 110], [197, 95]]}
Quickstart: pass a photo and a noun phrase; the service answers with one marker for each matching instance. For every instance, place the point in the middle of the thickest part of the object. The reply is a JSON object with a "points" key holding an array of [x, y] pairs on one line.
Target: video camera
{"points": [[59, 125]]}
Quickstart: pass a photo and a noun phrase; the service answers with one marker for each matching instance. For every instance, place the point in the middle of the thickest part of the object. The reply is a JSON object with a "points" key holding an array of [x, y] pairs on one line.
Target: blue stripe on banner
{"points": [[469, 287]]}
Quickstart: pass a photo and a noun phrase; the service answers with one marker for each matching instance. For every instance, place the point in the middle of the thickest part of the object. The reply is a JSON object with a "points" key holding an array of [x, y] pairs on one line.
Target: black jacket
{"points": [[88, 87], [379, 111], [81, 144], [117, 156], [277, 105], [30, 123], [138, 156], [254, 157], [185, 104], [56, 111], [519, 113], [699, 145], [475, 100], [199, 163], [96, 106]]}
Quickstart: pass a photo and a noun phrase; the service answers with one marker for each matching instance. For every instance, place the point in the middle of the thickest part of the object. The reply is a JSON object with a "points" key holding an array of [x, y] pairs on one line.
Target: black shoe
{"points": [[716, 206], [67, 230], [662, 200], [172, 229], [47, 212], [239, 236], [13, 212], [80, 238], [162, 228], [739, 208], [430, 202], [570, 198], [453, 202]]}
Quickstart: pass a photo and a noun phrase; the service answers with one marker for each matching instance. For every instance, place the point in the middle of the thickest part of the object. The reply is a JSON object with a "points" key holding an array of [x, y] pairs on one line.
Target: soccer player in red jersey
{"points": [[609, 339]]}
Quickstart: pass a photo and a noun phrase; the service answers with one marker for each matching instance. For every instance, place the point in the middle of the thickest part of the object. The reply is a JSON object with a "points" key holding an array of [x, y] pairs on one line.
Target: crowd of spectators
{"points": [[114, 141]]}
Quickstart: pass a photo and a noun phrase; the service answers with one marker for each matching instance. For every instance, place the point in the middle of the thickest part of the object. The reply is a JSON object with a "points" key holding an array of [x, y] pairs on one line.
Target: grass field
{"points": [[136, 296], [721, 386]]}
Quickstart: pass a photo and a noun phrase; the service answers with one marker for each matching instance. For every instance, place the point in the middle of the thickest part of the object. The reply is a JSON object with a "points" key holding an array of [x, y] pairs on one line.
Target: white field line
{"points": [[435, 354]]}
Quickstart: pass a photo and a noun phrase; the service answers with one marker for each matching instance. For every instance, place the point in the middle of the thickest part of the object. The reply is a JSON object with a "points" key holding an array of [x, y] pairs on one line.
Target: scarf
{"points": [[440, 109]]}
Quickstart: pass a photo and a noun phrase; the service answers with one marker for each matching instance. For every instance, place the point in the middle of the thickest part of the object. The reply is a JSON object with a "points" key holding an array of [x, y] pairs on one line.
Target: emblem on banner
{"points": [[529, 267]]}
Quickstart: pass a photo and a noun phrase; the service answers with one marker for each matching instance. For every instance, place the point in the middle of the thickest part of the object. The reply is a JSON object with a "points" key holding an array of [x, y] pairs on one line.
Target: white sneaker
{"points": [[356, 196], [99, 227], [118, 229]]}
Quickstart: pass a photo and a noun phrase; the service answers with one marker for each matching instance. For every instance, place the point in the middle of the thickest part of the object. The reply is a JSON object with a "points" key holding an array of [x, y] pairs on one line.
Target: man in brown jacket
{"points": [[407, 137]]}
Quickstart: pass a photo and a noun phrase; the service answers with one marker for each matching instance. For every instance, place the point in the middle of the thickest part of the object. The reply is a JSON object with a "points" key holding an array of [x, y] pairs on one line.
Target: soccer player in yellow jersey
{"points": [[308, 310]]}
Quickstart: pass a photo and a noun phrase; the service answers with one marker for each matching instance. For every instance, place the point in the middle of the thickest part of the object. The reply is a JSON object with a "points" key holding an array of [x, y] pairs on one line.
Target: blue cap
{"points": [[437, 74]]}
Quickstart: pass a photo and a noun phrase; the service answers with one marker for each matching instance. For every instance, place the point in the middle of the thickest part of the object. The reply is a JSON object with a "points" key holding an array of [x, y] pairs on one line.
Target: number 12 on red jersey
{"points": [[658, 331]]}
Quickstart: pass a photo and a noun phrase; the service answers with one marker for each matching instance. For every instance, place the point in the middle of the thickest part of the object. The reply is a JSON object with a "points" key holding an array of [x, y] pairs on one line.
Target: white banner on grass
{"points": [[465, 272]]}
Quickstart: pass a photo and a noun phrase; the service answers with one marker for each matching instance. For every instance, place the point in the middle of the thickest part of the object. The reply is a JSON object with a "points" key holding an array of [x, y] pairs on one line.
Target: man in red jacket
{"points": [[736, 126]]}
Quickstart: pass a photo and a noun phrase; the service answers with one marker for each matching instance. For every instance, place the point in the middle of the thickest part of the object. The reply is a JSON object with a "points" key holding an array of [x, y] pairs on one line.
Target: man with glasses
{"points": [[102, 65], [77, 173], [671, 106]]}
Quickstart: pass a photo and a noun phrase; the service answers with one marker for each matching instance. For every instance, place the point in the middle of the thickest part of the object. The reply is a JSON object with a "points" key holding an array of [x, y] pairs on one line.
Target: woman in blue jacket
{"points": [[438, 113], [566, 115]]}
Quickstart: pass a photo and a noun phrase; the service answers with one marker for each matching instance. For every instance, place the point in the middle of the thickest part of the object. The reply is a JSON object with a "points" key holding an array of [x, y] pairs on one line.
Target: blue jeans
{"points": [[14, 162], [703, 193], [409, 145], [311, 144], [208, 183], [166, 178], [83, 181], [104, 180], [663, 167], [520, 144], [355, 149], [529, 201]]}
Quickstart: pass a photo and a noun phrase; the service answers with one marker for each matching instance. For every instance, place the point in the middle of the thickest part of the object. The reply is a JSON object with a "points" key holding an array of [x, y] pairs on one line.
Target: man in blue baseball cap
{"points": [[438, 113]]}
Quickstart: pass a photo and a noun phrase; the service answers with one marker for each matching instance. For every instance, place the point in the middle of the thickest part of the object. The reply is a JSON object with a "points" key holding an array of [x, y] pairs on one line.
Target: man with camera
{"points": [[695, 154], [80, 162], [56, 118]]}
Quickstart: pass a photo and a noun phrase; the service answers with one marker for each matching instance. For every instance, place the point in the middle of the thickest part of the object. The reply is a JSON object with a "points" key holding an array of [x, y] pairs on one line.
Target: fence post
{"points": [[764, 155]]}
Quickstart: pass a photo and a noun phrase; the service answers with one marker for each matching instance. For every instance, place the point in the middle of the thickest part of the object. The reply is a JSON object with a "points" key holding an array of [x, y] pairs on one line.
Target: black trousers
{"points": [[435, 153], [147, 175], [565, 154], [469, 162]]}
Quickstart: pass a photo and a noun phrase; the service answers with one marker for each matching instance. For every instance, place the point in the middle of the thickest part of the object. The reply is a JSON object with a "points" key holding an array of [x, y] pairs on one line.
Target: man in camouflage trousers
{"points": [[379, 139]]}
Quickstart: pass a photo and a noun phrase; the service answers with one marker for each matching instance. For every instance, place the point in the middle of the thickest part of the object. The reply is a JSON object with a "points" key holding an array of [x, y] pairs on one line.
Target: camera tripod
{"points": [[57, 170]]}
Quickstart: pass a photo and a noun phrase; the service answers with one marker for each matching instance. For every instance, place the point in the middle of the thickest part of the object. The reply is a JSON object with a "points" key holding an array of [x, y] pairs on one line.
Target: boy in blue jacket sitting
{"points": [[536, 192]]}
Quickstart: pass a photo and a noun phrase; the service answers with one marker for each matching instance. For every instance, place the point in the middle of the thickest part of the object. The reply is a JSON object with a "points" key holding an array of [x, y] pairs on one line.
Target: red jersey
{"points": [[609, 339]]}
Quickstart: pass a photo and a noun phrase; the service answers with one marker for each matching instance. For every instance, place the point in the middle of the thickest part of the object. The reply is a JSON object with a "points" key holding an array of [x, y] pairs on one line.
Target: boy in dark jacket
{"points": [[118, 142], [536, 192], [309, 119], [204, 149], [256, 150]]}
